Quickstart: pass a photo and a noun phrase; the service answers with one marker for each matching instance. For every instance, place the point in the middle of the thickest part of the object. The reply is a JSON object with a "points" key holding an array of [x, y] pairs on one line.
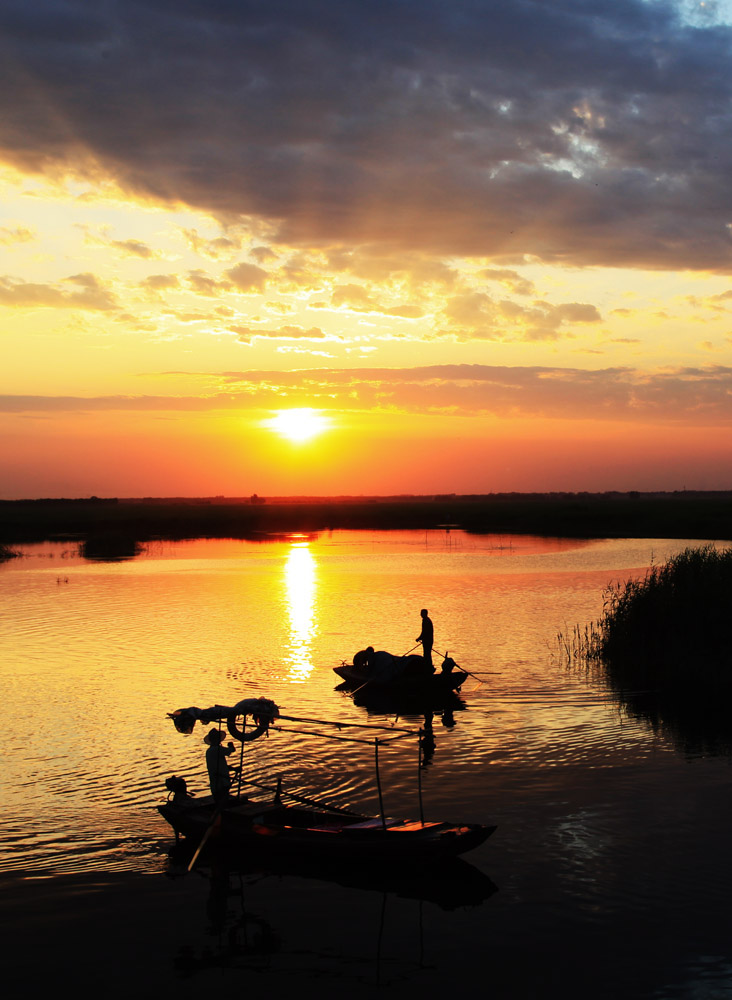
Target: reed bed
{"points": [[7, 553], [670, 628]]}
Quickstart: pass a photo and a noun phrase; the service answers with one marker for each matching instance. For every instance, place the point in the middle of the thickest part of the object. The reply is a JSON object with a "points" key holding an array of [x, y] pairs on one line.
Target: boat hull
{"points": [[435, 685], [290, 832]]}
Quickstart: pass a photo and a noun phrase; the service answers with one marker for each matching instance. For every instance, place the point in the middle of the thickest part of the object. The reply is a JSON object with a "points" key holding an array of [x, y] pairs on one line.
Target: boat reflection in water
{"points": [[260, 919], [257, 851], [409, 698]]}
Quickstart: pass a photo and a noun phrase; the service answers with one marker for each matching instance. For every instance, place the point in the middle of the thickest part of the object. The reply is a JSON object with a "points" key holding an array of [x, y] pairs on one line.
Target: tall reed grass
{"points": [[673, 626], [7, 553]]}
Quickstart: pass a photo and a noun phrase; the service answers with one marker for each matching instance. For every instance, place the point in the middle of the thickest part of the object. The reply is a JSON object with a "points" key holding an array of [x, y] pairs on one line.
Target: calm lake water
{"points": [[608, 874]]}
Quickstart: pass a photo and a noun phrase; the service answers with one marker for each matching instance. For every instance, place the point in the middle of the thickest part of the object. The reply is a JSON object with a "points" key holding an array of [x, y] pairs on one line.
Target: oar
{"points": [[359, 688], [496, 672], [206, 835], [469, 672]]}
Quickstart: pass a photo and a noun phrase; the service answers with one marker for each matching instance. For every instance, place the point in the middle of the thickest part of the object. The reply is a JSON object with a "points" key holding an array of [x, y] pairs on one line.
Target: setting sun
{"points": [[298, 425]]}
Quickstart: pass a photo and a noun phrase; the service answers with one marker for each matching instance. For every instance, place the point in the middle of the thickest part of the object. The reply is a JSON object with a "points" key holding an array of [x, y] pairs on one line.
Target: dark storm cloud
{"points": [[591, 132], [690, 396]]}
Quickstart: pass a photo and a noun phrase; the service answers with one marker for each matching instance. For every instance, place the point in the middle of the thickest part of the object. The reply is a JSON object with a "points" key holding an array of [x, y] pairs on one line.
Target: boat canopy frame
{"points": [[222, 715]]}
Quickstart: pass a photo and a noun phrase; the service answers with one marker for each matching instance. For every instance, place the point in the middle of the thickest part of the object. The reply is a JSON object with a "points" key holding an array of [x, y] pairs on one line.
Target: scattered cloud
{"points": [[133, 248], [247, 335], [690, 396], [511, 280], [17, 234], [247, 277], [160, 282], [203, 284], [476, 314], [80, 291], [214, 248]]}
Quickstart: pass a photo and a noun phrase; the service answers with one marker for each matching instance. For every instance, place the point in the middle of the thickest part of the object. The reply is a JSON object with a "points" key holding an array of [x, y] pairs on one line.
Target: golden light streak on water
{"points": [[300, 583]]}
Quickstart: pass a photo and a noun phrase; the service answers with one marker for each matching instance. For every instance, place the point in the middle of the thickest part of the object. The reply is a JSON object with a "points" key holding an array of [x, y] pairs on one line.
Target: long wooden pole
{"points": [[205, 837], [419, 777], [378, 783], [241, 770], [468, 672]]}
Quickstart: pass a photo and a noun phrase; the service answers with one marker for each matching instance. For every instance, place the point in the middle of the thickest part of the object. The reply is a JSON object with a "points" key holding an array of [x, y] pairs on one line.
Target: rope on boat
{"points": [[302, 798], [346, 725], [399, 735]]}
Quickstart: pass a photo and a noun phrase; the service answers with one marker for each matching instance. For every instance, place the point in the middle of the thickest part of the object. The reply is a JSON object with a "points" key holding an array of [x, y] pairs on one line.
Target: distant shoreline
{"points": [[681, 514]]}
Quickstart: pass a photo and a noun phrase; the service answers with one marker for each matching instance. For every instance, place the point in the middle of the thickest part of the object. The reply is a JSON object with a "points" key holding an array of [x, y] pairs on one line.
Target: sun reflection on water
{"points": [[300, 588]]}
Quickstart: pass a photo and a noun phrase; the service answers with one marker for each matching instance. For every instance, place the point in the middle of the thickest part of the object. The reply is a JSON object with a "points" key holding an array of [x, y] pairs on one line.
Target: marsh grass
{"points": [[669, 628], [7, 553], [663, 647]]}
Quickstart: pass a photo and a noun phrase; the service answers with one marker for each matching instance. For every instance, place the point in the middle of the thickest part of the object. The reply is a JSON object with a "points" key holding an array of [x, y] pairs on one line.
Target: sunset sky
{"points": [[480, 246]]}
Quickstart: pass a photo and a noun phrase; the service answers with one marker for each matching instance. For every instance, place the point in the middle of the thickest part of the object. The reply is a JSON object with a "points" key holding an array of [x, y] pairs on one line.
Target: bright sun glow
{"points": [[298, 425]]}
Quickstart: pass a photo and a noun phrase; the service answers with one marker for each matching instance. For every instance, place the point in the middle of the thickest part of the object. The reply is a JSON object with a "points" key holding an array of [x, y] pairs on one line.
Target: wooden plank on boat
{"points": [[376, 823]]}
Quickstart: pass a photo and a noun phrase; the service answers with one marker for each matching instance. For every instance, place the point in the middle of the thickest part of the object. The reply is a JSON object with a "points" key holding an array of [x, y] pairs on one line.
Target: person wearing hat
{"points": [[426, 637], [219, 776]]}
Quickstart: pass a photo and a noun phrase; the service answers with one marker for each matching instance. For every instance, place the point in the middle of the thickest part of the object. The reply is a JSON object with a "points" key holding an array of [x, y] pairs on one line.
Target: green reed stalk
{"points": [[671, 626]]}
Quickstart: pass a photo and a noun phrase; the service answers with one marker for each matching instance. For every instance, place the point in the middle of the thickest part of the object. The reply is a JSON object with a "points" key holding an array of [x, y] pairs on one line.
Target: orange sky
{"points": [[484, 270]]}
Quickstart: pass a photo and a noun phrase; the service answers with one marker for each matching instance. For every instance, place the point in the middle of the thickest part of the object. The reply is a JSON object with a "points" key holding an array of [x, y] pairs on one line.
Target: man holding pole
{"points": [[426, 636], [219, 774]]}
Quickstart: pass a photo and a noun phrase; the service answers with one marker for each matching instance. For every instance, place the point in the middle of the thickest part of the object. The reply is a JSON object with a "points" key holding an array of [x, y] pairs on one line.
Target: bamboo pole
{"points": [[241, 769], [419, 778], [339, 725], [378, 783], [400, 734]]}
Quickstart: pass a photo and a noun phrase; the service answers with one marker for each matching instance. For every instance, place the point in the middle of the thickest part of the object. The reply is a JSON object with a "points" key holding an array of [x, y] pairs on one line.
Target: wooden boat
{"points": [[436, 685], [310, 829], [319, 834]]}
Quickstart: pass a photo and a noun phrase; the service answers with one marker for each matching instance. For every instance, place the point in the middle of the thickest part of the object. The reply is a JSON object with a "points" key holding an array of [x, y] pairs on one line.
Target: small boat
{"points": [[437, 684], [321, 835], [310, 829], [401, 674]]}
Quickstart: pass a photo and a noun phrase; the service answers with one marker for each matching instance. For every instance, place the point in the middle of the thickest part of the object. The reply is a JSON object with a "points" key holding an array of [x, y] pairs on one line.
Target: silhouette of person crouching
{"points": [[362, 659]]}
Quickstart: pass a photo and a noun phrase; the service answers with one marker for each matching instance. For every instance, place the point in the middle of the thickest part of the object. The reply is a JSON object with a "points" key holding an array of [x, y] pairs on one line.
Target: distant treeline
{"points": [[683, 514]]}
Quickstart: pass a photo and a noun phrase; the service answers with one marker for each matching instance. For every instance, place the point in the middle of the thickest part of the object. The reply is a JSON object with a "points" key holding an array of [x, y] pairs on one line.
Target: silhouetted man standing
{"points": [[426, 636], [219, 777]]}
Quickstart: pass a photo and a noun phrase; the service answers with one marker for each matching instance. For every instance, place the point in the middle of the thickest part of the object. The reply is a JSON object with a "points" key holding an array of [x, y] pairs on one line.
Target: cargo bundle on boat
{"points": [[289, 824], [409, 675]]}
